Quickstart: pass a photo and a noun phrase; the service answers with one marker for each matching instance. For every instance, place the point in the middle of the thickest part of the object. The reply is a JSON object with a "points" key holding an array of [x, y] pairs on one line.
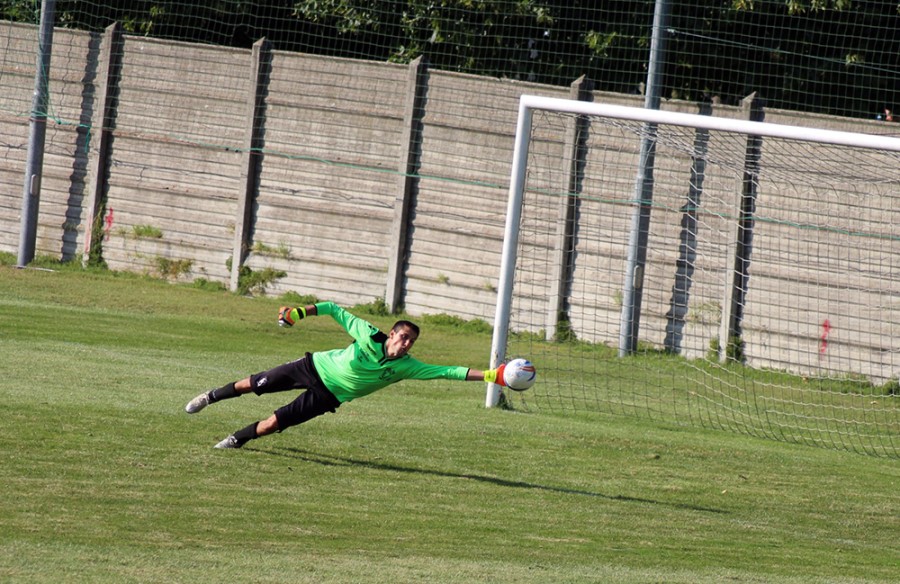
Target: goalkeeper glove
{"points": [[496, 375], [288, 316]]}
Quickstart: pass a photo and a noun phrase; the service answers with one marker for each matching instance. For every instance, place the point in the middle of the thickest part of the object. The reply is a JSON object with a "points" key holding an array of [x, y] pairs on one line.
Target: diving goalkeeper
{"points": [[373, 361]]}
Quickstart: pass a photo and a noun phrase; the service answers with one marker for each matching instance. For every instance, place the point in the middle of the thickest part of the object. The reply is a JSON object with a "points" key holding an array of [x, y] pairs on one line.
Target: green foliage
{"points": [[168, 268], [146, 232], [294, 299], [734, 351], [257, 282], [712, 354], [348, 16], [708, 313], [95, 253], [204, 284], [564, 331], [600, 43], [27, 11], [378, 307], [280, 251], [796, 7], [251, 282]]}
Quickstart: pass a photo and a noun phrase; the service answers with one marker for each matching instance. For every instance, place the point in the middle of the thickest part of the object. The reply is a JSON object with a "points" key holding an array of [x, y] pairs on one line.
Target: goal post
{"points": [[510, 243], [769, 280]]}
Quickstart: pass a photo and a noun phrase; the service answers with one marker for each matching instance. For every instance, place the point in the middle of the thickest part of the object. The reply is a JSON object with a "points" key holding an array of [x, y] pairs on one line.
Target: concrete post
{"points": [[407, 180], [105, 97], [252, 156]]}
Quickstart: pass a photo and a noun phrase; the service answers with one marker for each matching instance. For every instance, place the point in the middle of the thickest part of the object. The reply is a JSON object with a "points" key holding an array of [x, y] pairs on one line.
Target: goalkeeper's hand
{"points": [[288, 316], [496, 375]]}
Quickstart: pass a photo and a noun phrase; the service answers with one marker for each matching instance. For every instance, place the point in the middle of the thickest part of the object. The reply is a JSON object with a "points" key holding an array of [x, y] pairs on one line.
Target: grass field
{"points": [[106, 479]]}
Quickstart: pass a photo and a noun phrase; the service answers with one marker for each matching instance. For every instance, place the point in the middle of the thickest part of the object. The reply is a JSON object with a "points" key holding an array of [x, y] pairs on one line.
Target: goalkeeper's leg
{"points": [[227, 391], [310, 404], [293, 375]]}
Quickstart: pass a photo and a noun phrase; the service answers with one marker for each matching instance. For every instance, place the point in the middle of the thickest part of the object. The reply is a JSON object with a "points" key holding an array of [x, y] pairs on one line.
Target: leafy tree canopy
{"points": [[831, 56]]}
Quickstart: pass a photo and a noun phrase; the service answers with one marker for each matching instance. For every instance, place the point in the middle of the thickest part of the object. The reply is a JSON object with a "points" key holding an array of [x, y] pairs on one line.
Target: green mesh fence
{"points": [[826, 56]]}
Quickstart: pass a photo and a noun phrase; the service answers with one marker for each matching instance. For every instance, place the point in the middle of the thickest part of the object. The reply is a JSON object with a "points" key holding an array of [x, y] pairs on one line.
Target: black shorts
{"points": [[299, 374]]}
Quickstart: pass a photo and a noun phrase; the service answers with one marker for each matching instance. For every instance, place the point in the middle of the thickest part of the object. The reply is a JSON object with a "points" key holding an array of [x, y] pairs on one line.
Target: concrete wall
{"points": [[327, 187], [68, 132], [363, 180], [174, 161]]}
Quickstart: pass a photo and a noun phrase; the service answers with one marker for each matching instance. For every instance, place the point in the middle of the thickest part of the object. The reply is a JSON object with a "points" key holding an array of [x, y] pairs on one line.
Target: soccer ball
{"points": [[519, 374]]}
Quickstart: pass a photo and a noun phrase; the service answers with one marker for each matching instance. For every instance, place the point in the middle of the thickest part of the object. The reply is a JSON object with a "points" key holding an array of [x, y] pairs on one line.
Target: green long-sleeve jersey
{"points": [[363, 367]]}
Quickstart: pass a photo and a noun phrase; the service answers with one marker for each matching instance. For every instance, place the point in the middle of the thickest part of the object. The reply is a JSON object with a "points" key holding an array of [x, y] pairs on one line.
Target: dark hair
{"points": [[406, 324]]}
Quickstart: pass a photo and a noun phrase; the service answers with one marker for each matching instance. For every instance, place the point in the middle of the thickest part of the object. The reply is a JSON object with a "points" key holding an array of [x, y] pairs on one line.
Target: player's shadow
{"points": [[329, 460]]}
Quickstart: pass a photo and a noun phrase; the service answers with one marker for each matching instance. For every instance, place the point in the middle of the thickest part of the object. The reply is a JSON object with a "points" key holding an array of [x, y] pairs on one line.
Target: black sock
{"points": [[224, 392], [247, 434]]}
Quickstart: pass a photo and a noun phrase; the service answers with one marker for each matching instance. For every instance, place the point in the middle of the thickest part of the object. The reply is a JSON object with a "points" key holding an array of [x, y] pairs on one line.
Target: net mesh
{"points": [[814, 354]]}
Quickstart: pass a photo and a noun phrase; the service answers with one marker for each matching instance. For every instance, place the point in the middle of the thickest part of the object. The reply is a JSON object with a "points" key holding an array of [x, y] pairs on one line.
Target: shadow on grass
{"points": [[328, 460]]}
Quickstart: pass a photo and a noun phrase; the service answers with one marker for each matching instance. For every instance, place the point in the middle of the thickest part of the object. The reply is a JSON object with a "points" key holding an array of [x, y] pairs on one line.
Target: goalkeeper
{"points": [[330, 378]]}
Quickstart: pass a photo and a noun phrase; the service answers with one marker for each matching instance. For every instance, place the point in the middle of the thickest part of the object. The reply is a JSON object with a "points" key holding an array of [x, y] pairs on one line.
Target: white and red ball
{"points": [[519, 374]]}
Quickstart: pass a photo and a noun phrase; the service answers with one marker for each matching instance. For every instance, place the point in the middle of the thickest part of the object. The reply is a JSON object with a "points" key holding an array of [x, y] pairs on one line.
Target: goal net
{"points": [[704, 271]]}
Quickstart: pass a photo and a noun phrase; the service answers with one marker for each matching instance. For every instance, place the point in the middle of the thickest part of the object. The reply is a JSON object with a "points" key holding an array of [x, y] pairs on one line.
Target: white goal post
{"points": [[770, 250]]}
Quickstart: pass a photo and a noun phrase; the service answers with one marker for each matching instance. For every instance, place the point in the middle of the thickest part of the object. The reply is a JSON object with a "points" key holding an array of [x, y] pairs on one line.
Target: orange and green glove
{"points": [[496, 375], [288, 316]]}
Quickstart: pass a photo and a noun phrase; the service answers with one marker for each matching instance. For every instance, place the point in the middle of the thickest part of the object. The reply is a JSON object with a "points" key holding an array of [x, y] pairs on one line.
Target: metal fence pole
{"points": [[34, 162], [632, 291]]}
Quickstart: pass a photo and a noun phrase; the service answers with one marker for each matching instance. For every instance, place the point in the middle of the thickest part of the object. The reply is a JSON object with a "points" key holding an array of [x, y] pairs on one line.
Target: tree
{"points": [[825, 56], [832, 56]]}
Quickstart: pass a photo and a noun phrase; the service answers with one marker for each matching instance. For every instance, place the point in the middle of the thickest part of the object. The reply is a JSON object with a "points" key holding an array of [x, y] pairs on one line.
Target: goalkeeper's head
{"points": [[401, 339]]}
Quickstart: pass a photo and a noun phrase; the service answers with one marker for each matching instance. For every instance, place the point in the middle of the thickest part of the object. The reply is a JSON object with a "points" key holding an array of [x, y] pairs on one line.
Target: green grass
{"points": [[106, 479]]}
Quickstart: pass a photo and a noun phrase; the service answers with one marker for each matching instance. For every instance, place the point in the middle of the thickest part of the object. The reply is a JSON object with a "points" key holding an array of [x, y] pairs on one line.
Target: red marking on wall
{"points": [[108, 222], [823, 340]]}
